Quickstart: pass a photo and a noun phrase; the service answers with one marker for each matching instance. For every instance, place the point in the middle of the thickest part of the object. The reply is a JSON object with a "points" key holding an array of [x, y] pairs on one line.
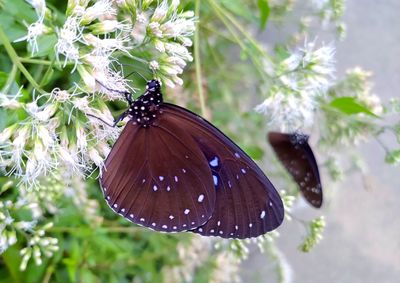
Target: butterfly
{"points": [[296, 155], [171, 171]]}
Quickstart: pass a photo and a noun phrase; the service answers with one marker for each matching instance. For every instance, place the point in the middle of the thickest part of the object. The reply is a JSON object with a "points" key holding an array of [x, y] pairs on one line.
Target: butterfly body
{"points": [[170, 170], [296, 155], [146, 108]]}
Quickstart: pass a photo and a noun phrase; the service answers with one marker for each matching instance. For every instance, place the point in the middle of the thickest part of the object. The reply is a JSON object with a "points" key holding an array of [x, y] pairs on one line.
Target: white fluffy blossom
{"points": [[68, 37], [300, 81]]}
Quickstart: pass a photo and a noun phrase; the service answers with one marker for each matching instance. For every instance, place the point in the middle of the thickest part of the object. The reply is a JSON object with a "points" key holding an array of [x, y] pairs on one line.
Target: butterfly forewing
{"points": [[158, 178], [247, 204], [296, 155]]}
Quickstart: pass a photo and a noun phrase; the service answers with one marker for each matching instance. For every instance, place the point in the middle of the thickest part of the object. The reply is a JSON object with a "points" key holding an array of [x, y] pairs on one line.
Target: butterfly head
{"points": [[298, 138], [153, 86]]}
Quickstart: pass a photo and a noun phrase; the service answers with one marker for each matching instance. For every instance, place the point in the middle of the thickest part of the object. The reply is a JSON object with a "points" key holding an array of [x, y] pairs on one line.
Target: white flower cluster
{"points": [[89, 38], [169, 32], [192, 256], [37, 28], [356, 83], [37, 244], [46, 141], [92, 34], [226, 268], [331, 12], [351, 129], [299, 82]]}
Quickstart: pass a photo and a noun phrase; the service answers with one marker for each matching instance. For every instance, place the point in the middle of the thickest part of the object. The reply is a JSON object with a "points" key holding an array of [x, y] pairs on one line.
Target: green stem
{"points": [[35, 61], [48, 73], [256, 60], [37, 71], [197, 59], [220, 34], [240, 28], [15, 59]]}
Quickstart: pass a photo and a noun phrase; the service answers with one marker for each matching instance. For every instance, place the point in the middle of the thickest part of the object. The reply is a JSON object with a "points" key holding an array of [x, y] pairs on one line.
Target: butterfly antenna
{"points": [[139, 74], [127, 94], [98, 118]]}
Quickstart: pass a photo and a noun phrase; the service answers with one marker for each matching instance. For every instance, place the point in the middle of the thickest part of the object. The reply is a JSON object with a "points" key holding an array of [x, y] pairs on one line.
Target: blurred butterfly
{"points": [[170, 170], [296, 155]]}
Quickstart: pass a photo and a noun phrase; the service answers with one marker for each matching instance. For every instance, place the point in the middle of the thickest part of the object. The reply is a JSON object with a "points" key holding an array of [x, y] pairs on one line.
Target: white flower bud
{"points": [[95, 157], [6, 134], [159, 45], [99, 9], [153, 65]]}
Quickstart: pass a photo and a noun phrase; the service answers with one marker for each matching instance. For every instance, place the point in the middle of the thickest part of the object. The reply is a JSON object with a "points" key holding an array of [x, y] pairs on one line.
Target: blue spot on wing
{"points": [[216, 178], [214, 162]]}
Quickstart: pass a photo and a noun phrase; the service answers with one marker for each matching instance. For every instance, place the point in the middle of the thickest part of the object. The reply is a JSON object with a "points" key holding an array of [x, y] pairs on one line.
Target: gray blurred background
{"points": [[362, 238]]}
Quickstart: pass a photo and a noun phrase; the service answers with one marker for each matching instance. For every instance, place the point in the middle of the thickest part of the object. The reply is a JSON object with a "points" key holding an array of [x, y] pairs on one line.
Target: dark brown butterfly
{"points": [[171, 171], [296, 155]]}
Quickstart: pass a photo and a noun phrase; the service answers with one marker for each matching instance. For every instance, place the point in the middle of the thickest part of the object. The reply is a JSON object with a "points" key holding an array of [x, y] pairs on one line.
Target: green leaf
{"points": [[265, 10], [46, 45], [350, 106], [3, 79], [11, 260]]}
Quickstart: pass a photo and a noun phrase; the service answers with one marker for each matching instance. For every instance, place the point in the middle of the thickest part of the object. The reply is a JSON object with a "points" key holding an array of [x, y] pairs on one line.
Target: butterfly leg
{"points": [[120, 118]]}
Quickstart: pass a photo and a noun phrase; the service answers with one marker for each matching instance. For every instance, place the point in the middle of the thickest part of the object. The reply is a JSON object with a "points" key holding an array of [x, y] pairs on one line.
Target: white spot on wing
{"points": [[251, 225], [161, 178], [237, 227], [243, 170], [115, 205], [168, 188], [215, 180], [131, 215], [214, 162], [262, 215], [155, 188], [176, 179], [164, 226], [219, 223], [153, 224], [171, 217], [183, 170], [186, 211], [237, 155], [142, 219], [200, 198], [123, 210]]}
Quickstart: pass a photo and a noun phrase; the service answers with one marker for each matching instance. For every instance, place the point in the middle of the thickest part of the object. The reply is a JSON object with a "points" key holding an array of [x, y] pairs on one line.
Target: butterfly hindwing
{"points": [[247, 204], [296, 155]]}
